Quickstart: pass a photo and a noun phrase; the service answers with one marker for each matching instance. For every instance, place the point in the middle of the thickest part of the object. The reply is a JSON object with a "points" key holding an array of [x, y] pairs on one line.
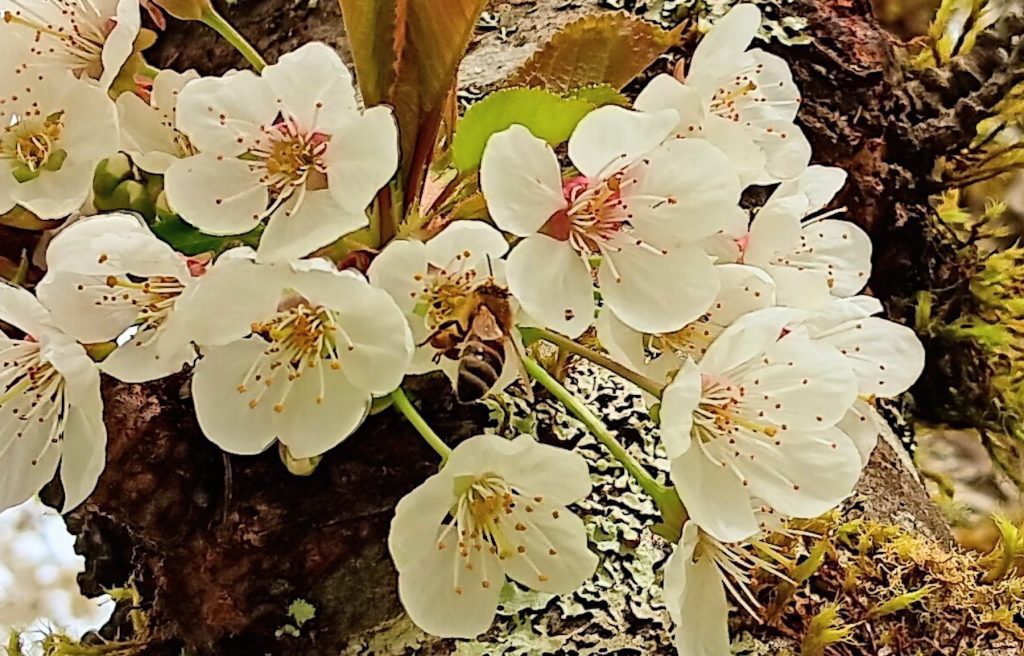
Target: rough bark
{"points": [[220, 545]]}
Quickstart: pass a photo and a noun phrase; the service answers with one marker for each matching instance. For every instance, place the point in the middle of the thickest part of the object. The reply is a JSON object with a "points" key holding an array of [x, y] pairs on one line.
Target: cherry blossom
{"points": [[51, 411], [108, 274], [702, 569], [497, 509], [297, 354], [811, 257], [757, 418], [446, 287], [90, 38], [743, 101], [289, 145], [55, 131], [149, 132], [633, 207], [744, 289]]}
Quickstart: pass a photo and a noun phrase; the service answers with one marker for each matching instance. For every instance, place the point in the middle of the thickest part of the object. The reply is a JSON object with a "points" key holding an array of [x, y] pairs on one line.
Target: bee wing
{"points": [[486, 326]]}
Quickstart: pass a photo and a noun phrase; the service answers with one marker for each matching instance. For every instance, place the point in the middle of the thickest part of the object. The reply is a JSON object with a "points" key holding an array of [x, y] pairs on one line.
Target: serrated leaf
{"points": [[547, 115], [601, 95], [186, 239], [606, 48], [406, 54]]}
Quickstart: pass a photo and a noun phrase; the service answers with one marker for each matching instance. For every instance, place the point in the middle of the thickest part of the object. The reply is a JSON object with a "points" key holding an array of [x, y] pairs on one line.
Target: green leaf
{"points": [[187, 239], [605, 48], [601, 94], [406, 54], [547, 115]]}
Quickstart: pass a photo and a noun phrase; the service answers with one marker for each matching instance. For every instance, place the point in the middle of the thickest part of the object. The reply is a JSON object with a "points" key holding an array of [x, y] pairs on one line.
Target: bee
{"points": [[476, 337]]}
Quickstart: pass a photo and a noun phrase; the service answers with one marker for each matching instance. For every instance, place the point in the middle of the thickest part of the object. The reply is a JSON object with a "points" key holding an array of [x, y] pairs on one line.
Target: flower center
{"points": [[492, 515], [75, 43], [299, 338], [32, 391], [291, 158], [444, 293], [725, 101], [29, 142], [722, 412], [736, 562]]}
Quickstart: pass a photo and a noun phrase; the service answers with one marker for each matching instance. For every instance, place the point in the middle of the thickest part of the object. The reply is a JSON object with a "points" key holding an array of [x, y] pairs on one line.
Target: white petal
{"points": [[666, 92], [658, 293], [446, 599], [120, 41], [714, 496], [678, 403], [474, 244], [84, 454], [552, 283], [218, 196], [745, 289], [805, 386], [310, 428], [624, 344], [785, 147], [845, 248], [674, 201], [361, 157], [739, 144], [20, 308], [224, 413], [807, 475], [799, 288], [418, 519], [558, 475], [551, 554], [703, 629], [237, 292], [55, 194], [861, 425], [717, 52], [887, 357], [745, 339], [610, 138], [521, 181], [676, 570], [818, 184], [313, 221], [22, 479], [313, 87], [226, 115], [143, 358], [373, 341], [399, 270]]}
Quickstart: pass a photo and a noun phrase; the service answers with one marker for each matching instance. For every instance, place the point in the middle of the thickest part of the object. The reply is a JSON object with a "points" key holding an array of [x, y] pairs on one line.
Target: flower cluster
{"points": [[746, 330]]}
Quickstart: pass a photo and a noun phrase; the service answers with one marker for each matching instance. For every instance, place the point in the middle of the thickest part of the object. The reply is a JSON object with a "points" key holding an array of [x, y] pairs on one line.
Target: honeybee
{"points": [[477, 336]]}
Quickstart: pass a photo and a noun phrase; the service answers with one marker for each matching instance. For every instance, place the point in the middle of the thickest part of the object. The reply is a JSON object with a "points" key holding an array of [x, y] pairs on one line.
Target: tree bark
{"points": [[219, 546]]}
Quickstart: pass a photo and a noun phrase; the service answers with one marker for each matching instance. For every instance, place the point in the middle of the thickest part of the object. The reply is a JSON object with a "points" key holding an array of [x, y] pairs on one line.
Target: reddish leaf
{"points": [[606, 48], [406, 54]]}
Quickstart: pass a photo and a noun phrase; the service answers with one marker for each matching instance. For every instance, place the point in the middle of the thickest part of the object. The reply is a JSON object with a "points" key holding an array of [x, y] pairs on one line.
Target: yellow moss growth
{"points": [[879, 589]]}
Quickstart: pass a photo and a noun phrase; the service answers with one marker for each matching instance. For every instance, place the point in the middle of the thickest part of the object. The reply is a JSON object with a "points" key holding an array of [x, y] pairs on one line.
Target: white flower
{"points": [[54, 132], [700, 571], [744, 289], [290, 146], [294, 353], [149, 129], [635, 206], [757, 418], [743, 101], [91, 38], [50, 407], [444, 287], [885, 356], [496, 510], [811, 257], [108, 274]]}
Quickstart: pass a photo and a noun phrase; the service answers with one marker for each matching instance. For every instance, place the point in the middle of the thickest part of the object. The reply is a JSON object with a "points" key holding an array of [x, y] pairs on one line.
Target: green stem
{"points": [[406, 407], [219, 25], [597, 427], [566, 344], [149, 71]]}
